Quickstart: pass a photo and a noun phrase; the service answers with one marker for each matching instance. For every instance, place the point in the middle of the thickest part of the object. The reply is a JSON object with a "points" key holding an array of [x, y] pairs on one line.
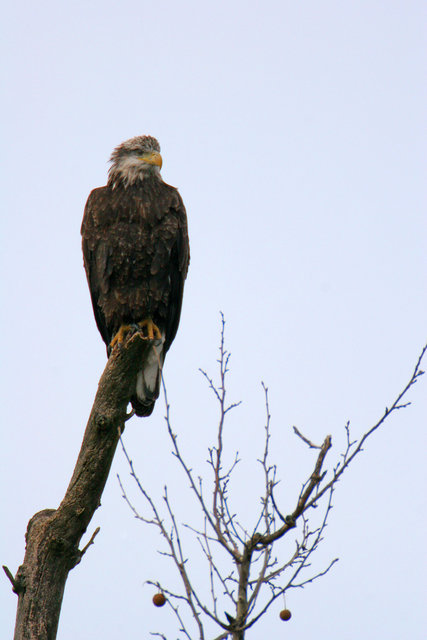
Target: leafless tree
{"points": [[254, 576]]}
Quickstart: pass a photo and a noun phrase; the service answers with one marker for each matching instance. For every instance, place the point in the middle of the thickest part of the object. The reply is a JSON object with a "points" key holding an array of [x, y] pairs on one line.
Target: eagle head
{"points": [[134, 160]]}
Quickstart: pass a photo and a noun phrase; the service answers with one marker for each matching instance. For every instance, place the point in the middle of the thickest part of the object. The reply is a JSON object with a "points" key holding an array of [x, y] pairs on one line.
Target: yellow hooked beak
{"points": [[152, 157]]}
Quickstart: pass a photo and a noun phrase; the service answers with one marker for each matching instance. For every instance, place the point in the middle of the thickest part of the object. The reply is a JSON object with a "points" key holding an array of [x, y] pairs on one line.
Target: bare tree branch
{"points": [[306, 440], [256, 578], [53, 535]]}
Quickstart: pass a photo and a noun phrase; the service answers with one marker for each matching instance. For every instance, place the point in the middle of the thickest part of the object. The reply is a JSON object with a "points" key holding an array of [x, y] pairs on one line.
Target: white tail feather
{"points": [[148, 379]]}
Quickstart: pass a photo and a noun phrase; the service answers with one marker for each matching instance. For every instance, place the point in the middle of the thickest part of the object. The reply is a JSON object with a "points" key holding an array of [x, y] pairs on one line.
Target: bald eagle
{"points": [[136, 255]]}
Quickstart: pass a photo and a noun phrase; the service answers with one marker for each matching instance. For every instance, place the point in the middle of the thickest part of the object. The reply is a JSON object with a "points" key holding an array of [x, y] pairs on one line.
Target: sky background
{"points": [[295, 134]]}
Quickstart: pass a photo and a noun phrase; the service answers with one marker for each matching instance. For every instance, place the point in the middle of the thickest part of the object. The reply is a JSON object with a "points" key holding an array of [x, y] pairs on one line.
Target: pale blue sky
{"points": [[295, 134]]}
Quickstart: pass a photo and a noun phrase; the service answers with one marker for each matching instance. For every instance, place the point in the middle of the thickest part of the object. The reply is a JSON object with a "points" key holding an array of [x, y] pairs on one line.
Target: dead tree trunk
{"points": [[53, 535]]}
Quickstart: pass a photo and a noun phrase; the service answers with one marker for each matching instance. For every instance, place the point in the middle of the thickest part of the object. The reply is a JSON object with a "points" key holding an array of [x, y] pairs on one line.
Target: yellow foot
{"points": [[150, 330], [120, 336]]}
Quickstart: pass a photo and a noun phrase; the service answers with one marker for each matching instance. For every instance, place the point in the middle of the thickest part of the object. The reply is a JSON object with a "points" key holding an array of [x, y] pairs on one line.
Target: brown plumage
{"points": [[136, 254]]}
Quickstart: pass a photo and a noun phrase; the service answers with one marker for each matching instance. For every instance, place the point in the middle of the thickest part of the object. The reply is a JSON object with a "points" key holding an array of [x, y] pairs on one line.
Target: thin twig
{"points": [[306, 440], [86, 547]]}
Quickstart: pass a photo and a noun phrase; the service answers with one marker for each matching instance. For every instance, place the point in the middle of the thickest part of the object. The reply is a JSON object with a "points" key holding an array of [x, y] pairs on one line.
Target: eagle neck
{"points": [[128, 175]]}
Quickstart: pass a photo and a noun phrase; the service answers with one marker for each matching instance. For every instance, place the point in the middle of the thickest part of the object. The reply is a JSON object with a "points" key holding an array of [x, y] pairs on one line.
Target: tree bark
{"points": [[53, 535]]}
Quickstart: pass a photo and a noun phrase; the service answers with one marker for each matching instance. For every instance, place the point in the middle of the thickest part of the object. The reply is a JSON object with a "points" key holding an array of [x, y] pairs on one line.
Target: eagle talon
{"points": [[152, 331], [120, 336]]}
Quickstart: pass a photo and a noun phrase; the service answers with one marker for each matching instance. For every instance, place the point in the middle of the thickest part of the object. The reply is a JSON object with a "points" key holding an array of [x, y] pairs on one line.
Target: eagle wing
{"points": [[96, 252], [171, 257]]}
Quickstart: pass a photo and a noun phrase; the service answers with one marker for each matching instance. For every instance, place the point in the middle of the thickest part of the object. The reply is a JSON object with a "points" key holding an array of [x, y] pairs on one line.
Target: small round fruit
{"points": [[285, 614], [159, 599]]}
